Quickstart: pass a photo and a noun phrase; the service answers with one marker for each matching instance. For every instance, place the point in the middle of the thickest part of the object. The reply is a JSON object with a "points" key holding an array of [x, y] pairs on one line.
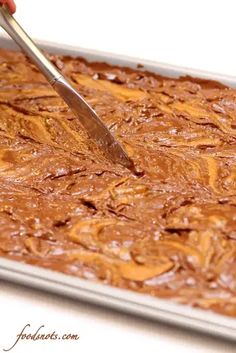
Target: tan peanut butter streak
{"points": [[170, 231]]}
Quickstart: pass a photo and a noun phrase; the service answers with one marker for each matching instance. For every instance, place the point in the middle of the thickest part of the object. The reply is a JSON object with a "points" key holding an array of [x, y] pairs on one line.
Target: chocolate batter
{"points": [[169, 231]]}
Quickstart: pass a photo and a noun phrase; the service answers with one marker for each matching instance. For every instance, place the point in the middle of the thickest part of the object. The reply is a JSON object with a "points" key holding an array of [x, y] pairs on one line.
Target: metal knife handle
{"points": [[86, 115], [17, 33]]}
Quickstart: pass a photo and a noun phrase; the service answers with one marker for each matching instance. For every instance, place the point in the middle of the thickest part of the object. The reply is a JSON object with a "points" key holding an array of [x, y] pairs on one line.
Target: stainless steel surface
{"points": [[123, 300], [119, 299], [16, 32], [89, 119], [95, 128]]}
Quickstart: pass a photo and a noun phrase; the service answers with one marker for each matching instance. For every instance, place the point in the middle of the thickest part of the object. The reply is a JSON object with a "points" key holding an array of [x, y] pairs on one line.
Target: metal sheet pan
{"points": [[108, 296]]}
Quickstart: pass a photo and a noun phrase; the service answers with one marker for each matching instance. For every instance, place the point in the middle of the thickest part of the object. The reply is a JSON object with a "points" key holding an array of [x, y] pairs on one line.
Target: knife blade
{"points": [[88, 118]]}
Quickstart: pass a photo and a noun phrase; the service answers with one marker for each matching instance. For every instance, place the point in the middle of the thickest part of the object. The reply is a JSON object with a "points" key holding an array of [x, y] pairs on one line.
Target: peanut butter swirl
{"points": [[170, 230]]}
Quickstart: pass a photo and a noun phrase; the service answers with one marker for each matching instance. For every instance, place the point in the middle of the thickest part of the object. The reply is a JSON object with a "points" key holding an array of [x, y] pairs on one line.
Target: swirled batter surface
{"points": [[169, 232]]}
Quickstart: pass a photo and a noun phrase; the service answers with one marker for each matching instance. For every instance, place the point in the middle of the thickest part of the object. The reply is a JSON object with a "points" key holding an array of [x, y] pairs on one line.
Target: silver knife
{"points": [[95, 128]]}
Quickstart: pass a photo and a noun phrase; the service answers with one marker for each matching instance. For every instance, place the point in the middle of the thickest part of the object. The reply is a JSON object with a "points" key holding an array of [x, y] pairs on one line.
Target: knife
{"points": [[88, 118]]}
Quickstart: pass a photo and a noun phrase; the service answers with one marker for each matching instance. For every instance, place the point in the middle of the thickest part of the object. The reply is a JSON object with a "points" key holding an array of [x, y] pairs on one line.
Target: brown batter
{"points": [[169, 232]]}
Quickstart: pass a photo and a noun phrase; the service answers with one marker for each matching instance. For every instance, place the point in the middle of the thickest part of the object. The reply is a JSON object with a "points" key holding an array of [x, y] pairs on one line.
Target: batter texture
{"points": [[170, 230]]}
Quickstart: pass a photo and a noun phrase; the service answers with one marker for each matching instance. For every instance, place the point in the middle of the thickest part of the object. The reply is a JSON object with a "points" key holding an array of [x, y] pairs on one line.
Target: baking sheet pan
{"points": [[108, 296]]}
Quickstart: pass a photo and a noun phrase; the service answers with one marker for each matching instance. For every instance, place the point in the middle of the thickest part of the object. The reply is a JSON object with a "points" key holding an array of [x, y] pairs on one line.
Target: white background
{"points": [[198, 34]]}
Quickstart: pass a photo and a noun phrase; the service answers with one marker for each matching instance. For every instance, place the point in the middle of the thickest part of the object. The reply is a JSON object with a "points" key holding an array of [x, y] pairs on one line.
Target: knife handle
{"points": [[16, 32]]}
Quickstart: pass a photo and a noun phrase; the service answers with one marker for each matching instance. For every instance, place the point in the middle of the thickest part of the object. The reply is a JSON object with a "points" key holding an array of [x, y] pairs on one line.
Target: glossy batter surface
{"points": [[169, 232]]}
